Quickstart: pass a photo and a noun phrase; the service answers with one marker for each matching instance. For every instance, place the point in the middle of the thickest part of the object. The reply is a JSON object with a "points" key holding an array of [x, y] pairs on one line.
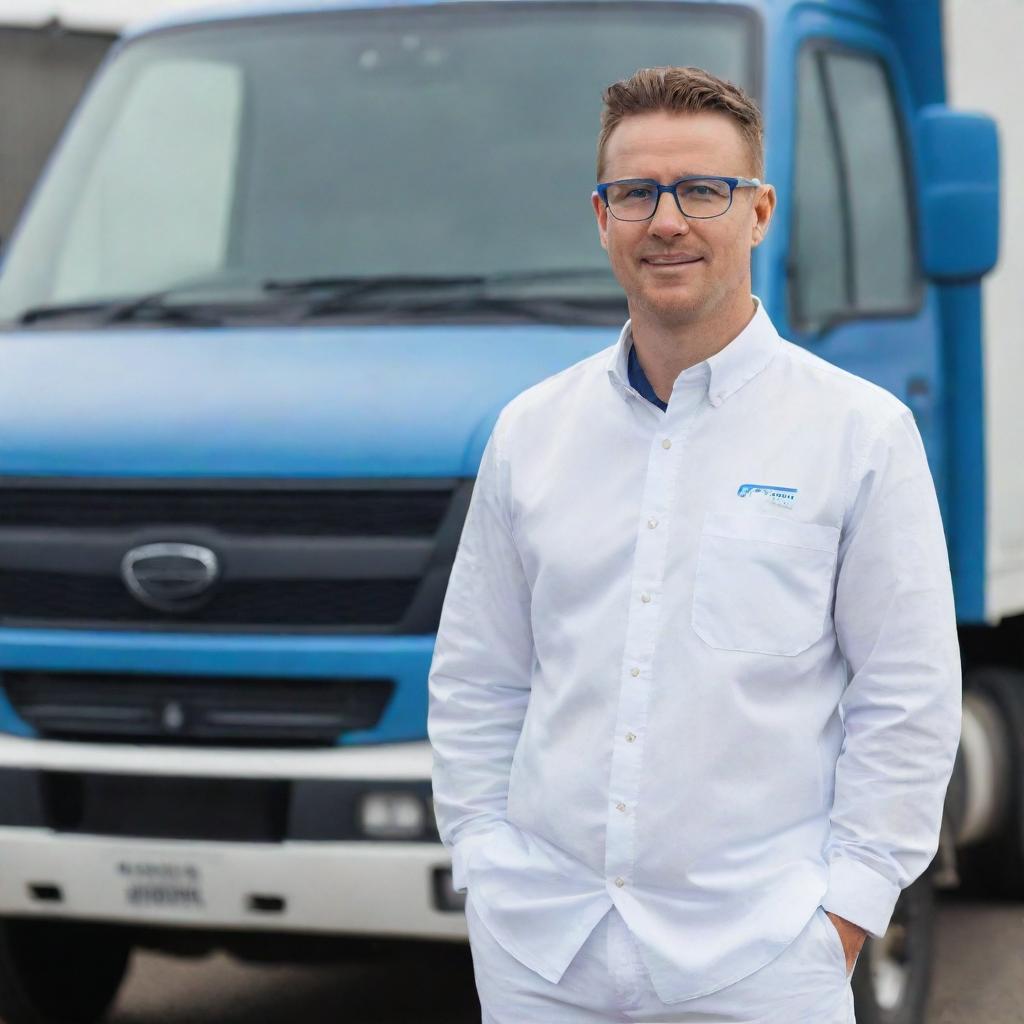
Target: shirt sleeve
{"points": [[479, 683], [896, 626]]}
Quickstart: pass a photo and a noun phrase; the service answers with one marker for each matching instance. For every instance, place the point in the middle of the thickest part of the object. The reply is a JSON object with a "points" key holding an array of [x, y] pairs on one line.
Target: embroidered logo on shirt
{"points": [[784, 496]]}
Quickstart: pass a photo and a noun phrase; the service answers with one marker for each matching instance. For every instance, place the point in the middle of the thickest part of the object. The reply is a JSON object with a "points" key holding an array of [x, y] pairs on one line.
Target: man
{"points": [[695, 698]]}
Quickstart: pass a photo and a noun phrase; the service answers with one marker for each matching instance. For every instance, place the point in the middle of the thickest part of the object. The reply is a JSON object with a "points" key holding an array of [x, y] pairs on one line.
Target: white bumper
{"points": [[355, 887]]}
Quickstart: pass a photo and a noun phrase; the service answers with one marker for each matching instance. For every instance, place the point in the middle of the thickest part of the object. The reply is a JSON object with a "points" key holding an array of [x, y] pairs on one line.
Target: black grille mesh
{"points": [[84, 599], [160, 708], [382, 512]]}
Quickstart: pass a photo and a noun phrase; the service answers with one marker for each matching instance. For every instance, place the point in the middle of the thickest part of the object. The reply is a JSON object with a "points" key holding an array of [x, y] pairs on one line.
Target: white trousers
{"points": [[607, 983]]}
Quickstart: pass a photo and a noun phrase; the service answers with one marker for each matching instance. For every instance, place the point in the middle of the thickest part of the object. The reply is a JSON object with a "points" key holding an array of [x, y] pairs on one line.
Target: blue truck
{"points": [[282, 271]]}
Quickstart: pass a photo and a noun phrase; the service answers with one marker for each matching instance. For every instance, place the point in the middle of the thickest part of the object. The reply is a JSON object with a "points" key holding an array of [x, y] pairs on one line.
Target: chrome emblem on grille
{"points": [[170, 577]]}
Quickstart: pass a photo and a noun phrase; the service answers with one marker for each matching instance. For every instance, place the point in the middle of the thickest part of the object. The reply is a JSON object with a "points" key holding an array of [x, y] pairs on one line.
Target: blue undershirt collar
{"points": [[638, 379]]}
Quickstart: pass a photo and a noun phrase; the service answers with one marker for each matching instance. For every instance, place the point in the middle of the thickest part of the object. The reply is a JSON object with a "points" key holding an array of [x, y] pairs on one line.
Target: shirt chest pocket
{"points": [[763, 584]]}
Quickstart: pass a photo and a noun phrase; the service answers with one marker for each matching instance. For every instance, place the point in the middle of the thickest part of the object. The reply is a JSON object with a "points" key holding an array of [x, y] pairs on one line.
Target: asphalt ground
{"points": [[978, 979]]}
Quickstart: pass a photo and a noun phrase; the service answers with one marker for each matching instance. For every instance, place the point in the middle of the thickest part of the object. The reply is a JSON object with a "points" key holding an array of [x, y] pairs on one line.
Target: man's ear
{"points": [[601, 212], [764, 207]]}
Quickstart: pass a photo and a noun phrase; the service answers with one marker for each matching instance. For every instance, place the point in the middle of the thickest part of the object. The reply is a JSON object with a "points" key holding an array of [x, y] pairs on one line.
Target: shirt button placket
{"points": [[641, 633]]}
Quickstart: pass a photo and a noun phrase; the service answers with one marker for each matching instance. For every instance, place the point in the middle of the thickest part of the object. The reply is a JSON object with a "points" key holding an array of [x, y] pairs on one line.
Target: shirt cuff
{"points": [[860, 894], [462, 851]]}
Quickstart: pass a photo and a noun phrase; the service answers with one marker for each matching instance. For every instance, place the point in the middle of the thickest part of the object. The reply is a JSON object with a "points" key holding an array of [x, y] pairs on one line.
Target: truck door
{"points": [[855, 294]]}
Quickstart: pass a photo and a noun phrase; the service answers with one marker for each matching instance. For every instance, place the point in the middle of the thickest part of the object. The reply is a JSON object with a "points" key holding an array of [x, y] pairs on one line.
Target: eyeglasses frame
{"points": [[733, 183]]}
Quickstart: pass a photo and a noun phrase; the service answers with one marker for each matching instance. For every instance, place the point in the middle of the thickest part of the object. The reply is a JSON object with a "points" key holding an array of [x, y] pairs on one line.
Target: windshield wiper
{"points": [[543, 276], [405, 293], [338, 293], [498, 294], [154, 307], [150, 307], [541, 309], [351, 286], [36, 313]]}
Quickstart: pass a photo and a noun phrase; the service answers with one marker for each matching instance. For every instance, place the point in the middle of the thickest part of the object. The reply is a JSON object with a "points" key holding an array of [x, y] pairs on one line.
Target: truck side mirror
{"points": [[959, 194]]}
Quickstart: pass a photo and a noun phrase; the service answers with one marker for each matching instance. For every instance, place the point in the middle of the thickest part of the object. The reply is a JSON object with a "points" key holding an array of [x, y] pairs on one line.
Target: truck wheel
{"points": [[995, 866], [59, 972], [893, 974]]}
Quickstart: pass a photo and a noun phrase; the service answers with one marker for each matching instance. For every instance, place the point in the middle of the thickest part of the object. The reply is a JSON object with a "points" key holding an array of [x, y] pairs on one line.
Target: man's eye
{"points": [[638, 193], [704, 190]]}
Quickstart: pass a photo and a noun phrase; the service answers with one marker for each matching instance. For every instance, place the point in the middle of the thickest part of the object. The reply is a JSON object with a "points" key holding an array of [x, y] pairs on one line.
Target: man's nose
{"points": [[667, 219]]}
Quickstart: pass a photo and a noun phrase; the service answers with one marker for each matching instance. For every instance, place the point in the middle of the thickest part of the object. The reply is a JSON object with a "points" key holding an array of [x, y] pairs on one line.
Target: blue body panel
{"points": [[324, 402], [420, 400], [278, 402], [930, 358]]}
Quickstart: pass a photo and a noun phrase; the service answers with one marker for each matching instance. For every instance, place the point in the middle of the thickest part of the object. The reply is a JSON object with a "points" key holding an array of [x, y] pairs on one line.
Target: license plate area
{"points": [[157, 883]]}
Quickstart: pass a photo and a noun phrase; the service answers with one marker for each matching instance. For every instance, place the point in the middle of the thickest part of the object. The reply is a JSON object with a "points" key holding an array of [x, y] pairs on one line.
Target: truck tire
{"points": [[59, 972], [995, 866], [893, 974]]}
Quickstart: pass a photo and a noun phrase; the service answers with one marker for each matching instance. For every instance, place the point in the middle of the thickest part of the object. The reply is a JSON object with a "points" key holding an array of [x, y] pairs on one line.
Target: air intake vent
{"points": [[195, 710]]}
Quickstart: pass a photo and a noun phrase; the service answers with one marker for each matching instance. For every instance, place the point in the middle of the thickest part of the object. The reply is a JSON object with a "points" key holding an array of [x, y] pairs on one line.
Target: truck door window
{"points": [[820, 244], [880, 228], [854, 252]]}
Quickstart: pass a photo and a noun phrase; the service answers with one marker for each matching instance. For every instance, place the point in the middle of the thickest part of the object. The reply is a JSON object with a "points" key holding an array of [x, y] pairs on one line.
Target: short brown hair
{"points": [[685, 90]]}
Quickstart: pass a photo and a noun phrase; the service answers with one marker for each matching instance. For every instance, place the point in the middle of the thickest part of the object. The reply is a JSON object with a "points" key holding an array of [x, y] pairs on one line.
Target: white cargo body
{"points": [[983, 40]]}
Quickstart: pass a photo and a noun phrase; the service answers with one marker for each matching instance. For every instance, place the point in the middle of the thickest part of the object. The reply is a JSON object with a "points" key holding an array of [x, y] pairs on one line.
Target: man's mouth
{"points": [[670, 261]]}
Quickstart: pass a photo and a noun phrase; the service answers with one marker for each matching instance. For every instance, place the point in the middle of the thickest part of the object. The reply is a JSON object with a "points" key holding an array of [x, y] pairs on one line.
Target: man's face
{"points": [[665, 145]]}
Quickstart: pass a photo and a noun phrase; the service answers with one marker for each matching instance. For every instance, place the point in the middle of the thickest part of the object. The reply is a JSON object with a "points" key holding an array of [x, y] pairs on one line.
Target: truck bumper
{"points": [[362, 888], [351, 886]]}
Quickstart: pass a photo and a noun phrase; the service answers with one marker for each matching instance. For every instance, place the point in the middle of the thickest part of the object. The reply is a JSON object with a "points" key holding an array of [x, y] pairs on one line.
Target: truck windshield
{"points": [[450, 140]]}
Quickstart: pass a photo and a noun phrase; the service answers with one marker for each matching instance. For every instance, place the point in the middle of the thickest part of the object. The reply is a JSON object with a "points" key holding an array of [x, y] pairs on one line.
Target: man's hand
{"points": [[852, 936]]}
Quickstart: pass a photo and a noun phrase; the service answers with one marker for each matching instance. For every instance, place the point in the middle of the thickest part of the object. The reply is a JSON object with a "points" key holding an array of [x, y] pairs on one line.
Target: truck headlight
{"points": [[392, 815]]}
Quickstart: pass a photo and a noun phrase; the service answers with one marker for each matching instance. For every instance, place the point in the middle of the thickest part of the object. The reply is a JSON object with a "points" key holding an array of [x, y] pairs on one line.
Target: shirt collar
{"points": [[727, 370]]}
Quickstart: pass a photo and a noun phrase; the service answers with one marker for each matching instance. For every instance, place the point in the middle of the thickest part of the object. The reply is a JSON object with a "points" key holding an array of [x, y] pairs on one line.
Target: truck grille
{"points": [[406, 511], [366, 556], [56, 596], [197, 710]]}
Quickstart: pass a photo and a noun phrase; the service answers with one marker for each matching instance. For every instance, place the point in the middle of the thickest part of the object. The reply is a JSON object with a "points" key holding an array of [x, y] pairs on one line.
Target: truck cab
{"points": [[257, 321]]}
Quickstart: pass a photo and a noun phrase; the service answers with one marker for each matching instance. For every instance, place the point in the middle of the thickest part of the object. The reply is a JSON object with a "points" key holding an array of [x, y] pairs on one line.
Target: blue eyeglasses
{"points": [[696, 197]]}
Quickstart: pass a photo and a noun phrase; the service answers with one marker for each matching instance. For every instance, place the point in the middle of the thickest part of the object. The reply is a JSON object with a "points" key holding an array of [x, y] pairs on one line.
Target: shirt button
{"points": [[630, 736], [645, 597], [666, 443], [652, 523], [634, 671], [620, 882], [620, 806]]}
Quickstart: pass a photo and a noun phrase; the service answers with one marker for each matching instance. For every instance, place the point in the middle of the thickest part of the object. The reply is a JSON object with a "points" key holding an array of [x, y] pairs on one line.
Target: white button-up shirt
{"points": [[701, 664]]}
